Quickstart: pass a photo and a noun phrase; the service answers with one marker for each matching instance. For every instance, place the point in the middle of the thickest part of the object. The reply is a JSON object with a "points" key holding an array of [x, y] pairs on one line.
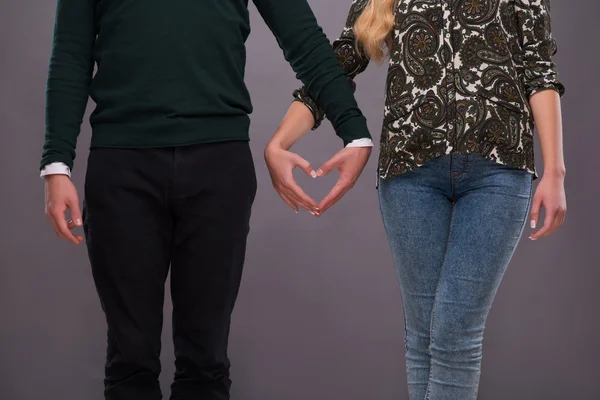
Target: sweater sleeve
{"points": [[350, 56], [69, 77], [309, 52], [539, 72]]}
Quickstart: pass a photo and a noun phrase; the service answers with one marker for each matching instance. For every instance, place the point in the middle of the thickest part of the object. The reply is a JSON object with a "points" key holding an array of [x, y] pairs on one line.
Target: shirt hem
{"points": [[169, 134]]}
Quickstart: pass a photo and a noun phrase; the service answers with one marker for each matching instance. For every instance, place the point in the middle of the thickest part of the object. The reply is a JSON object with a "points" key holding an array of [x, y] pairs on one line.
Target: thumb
{"points": [[74, 210], [534, 215], [305, 166], [329, 166]]}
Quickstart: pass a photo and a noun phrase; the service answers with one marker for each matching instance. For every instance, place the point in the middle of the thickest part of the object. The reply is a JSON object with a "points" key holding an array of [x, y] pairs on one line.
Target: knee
{"points": [[417, 342], [132, 358], [451, 344]]}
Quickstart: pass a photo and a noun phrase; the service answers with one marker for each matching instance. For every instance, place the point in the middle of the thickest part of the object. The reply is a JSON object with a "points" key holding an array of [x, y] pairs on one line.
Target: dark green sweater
{"points": [[171, 72]]}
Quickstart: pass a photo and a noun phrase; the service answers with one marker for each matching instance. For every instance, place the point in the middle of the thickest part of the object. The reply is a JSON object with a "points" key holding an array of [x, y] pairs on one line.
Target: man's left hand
{"points": [[350, 161]]}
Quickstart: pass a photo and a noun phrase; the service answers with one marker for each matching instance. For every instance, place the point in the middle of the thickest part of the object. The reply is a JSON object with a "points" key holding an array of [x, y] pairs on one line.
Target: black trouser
{"points": [[148, 209]]}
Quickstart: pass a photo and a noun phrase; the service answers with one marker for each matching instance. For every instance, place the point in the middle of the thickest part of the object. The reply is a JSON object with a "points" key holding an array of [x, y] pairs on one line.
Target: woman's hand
{"points": [[550, 194], [281, 164]]}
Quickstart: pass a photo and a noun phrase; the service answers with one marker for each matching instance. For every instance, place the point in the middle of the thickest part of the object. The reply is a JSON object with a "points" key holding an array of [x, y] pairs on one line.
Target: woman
{"points": [[467, 80]]}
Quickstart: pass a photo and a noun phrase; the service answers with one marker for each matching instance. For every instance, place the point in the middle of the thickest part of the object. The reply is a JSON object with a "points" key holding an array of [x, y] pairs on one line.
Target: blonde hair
{"points": [[373, 28]]}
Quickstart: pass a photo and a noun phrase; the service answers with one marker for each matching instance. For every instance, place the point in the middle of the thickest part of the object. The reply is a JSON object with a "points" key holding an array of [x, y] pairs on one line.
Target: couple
{"points": [[170, 179]]}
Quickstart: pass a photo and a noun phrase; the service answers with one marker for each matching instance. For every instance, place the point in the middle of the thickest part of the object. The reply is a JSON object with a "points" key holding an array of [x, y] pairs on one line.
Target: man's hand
{"points": [[350, 161], [60, 196], [281, 164]]}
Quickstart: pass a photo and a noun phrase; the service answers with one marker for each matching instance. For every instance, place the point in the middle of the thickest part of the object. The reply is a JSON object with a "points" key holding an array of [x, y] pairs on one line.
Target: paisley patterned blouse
{"points": [[460, 76]]}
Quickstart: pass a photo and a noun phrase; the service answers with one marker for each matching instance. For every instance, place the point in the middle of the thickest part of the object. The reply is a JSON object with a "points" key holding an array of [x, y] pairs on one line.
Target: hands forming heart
{"points": [[281, 163]]}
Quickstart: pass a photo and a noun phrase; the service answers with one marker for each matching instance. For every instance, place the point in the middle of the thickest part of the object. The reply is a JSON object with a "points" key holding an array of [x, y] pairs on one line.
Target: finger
{"points": [[336, 193], [66, 233], [313, 209], [549, 225], [71, 224], [560, 219], [75, 211], [329, 166], [76, 219], [335, 200], [534, 215], [289, 202], [55, 227], [296, 194], [55, 215], [305, 166], [62, 228]]}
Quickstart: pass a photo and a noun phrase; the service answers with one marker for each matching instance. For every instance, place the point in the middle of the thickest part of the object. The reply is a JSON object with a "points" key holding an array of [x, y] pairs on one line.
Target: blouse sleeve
{"points": [[539, 71], [348, 52]]}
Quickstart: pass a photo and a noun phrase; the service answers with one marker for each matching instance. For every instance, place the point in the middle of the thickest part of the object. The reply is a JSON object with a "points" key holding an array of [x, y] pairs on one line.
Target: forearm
{"points": [[69, 76], [548, 120], [296, 123], [311, 56]]}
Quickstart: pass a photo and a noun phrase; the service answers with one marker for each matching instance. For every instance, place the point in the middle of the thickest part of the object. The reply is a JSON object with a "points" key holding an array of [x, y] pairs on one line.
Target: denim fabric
{"points": [[453, 225]]}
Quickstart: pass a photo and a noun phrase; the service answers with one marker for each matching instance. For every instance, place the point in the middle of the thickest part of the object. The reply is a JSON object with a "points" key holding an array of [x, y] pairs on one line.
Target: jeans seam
{"points": [[463, 169], [529, 201], [401, 295], [435, 296], [452, 176], [405, 330]]}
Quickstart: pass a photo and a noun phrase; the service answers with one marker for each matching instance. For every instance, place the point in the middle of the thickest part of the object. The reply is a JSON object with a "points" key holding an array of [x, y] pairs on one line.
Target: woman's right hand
{"points": [[281, 164], [550, 195]]}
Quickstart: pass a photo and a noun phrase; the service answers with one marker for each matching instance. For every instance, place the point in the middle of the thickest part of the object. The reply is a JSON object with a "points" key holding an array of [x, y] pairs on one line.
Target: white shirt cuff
{"points": [[364, 142], [56, 168]]}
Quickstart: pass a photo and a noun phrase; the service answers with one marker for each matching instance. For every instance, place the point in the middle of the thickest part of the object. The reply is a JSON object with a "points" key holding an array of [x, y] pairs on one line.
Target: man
{"points": [[170, 179]]}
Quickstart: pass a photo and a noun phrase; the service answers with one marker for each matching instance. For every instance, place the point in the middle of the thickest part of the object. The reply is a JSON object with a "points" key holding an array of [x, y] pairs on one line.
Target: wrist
{"points": [[278, 142], [54, 177], [555, 171], [272, 149]]}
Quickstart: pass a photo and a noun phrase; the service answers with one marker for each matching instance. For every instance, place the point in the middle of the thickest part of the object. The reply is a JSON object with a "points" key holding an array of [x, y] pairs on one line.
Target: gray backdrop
{"points": [[319, 313]]}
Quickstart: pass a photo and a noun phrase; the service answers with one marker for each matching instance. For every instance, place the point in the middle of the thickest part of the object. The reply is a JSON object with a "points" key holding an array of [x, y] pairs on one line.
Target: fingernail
{"points": [[532, 238], [78, 221], [533, 224], [313, 173], [320, 172], [296, 211], [312, 212]]}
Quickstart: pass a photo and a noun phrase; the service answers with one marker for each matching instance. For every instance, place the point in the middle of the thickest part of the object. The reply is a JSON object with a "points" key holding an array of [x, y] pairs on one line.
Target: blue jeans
{"points": [[453, 225]]}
